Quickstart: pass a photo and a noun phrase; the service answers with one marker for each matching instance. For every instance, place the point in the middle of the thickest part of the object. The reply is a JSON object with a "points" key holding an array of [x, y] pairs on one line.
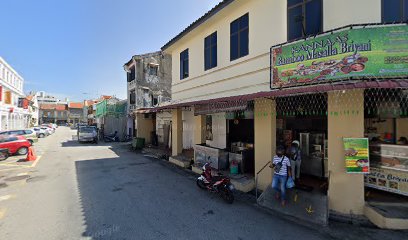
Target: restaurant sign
{"points": [[390, 180], [359, 52], [356, 155]]}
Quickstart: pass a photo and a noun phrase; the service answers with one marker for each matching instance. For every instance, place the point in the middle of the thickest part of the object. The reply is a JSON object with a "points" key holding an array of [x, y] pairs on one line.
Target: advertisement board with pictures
{"points": [[356, 155], [358, 52], [388, 180]]}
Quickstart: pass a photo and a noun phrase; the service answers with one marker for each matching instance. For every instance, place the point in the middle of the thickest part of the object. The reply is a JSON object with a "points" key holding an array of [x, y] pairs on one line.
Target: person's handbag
{"points": [[290, 183], [278, 166]]}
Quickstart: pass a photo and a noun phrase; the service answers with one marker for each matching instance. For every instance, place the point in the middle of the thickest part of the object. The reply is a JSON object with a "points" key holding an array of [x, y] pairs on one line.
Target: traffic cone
{"points": [[31, 155]]}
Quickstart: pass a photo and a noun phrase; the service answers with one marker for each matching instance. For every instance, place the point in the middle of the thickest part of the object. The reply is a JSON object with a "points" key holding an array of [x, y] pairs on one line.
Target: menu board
{"points": [[356, 155], [389, 180]]}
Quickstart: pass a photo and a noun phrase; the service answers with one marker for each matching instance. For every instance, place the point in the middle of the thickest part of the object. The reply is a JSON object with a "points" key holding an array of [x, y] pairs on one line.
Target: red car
{"points": [[15, 144]]}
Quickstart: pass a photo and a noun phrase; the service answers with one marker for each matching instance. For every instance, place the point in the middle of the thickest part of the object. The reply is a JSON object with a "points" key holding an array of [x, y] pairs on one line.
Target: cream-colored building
{"points": [[223, 68], [12, 116]]}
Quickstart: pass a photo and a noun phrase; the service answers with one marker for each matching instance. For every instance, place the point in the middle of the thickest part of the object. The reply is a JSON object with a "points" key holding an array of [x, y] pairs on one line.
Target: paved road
{"points": [[87, 191]]}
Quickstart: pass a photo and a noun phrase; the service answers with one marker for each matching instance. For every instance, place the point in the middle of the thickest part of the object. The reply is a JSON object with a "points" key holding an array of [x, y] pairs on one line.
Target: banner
{"points": [[364, 52], [356, 155], [388, 180]]}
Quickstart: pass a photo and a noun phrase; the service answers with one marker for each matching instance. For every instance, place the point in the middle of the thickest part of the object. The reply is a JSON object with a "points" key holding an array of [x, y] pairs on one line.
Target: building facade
{"points": [[253, 75], [148, 85], [14, 114], [53, 113], [76, 112]]}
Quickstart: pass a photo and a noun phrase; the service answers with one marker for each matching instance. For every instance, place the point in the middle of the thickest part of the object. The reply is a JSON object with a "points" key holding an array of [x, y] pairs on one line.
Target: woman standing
{"points": [[281, 165]]}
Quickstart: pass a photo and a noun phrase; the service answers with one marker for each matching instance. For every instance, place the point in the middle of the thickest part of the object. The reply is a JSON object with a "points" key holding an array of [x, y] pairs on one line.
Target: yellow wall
{"points": [[144, 127], [346, 191], [265, 139], [176, 132], [245, 75], [267, 27], [402, 127], [199, 129], [345, 12]]}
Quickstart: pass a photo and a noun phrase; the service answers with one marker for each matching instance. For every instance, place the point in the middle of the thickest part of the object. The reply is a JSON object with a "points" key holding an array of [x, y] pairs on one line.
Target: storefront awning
{"points": [[145, 110], [218, 107], [317, 88]]}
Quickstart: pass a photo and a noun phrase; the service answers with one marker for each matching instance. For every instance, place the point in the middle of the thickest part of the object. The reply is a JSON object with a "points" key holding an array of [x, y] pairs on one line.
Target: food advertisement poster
{"points": [[356, 155], [388, 180], [360, 52]]}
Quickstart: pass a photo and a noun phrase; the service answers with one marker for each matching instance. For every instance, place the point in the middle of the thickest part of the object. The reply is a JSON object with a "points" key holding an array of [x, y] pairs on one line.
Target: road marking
{"points": [[8, 169], [22, 174], [36, 161], [2, 212], [6, 197]]}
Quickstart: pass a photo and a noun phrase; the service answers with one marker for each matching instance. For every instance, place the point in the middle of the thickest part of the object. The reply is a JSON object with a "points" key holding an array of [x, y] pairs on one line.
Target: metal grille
{"points": [[391, 103]]}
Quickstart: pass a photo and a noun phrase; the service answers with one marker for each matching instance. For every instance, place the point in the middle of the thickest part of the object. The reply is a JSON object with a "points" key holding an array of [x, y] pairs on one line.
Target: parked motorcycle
{"points": [[4, 154], [112, 137], [216, 184]]}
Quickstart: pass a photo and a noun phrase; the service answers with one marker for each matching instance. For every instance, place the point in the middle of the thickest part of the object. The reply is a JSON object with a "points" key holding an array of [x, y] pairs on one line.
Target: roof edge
{"points": [[198, 22]]}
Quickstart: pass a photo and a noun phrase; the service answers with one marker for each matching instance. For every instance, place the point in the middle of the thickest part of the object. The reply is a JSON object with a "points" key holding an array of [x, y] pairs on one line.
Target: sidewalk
{"points": [[335, 230]]}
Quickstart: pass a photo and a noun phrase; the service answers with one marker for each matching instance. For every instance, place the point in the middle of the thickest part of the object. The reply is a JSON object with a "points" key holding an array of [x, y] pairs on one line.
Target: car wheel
{"points": [[22, 151], [41, 135]]}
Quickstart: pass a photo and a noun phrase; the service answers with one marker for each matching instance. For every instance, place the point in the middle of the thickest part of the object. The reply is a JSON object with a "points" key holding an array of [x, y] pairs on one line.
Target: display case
{"points": [[389, 156], [388, 168]]}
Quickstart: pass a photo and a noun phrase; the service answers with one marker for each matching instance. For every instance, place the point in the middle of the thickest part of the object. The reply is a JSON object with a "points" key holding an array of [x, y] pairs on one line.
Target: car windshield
{"points": [[86, 129]]}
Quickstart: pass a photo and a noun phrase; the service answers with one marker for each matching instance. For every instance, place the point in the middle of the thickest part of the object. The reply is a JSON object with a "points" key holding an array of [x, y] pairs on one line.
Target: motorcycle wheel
{"points": [[227, 195], [4, 156], [200, 184]]}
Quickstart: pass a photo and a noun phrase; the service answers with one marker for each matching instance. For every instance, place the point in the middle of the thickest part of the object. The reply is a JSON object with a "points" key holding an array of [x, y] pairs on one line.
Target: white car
{"points": [[47, 129], [41, 133]]}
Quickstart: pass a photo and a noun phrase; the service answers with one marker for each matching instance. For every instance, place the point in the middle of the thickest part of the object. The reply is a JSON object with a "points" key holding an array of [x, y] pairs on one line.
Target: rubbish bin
{"points": [[138, 143]]}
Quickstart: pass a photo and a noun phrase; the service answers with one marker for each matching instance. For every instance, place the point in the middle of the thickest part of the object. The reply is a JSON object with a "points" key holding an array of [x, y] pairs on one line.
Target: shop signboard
{"points": [[356, 155], [360, 52], [395, 181]]}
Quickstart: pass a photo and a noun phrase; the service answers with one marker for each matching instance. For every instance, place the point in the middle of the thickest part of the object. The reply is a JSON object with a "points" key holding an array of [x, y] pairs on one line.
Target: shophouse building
{"points": [[149, 86], [13, 108], [251, 75]]}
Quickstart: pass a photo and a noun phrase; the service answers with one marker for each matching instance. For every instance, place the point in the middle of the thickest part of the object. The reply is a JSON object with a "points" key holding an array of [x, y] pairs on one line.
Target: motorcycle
{"points": [[218, 184], [4, 154], [112, 137]]}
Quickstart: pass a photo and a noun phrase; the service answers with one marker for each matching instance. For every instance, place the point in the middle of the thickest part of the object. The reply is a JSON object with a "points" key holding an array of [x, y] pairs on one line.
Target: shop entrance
{"points": [[302, 123], [240, 144]]}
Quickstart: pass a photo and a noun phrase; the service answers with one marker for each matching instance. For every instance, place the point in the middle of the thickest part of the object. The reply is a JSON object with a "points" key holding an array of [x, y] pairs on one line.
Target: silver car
{"points": [[87, 134]]}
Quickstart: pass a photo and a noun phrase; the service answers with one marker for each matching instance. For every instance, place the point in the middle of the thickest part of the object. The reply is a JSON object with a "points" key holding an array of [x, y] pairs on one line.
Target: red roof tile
{"points": [[76, 105], [58, 107]]}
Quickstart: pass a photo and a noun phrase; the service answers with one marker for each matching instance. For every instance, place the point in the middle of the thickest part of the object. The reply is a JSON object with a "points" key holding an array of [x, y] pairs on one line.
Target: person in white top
{"points": [[281, 165], [295, 156]]}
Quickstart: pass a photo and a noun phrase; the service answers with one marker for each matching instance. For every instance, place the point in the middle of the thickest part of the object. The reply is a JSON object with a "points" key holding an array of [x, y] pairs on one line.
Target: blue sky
{"points": [[72, 47]]}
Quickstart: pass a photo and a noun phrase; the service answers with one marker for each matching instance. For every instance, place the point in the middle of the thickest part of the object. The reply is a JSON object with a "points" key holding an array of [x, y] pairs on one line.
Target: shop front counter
{"points": [[218, 158], [388, 168]]}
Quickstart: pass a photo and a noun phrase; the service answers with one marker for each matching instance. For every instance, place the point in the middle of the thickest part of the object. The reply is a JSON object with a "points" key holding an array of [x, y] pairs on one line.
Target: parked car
{"points": [[87, 134], [41, 133], [49, 125], [48, 130], [15, 144], [29, 134]]}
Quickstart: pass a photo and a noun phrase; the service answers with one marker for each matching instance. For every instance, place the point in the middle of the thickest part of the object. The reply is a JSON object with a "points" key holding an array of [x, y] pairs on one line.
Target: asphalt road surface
{"points": [[105, 191]]}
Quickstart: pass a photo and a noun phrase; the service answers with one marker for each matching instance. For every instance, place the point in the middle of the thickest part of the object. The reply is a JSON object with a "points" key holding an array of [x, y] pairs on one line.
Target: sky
{"points": [[77, 48]]}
